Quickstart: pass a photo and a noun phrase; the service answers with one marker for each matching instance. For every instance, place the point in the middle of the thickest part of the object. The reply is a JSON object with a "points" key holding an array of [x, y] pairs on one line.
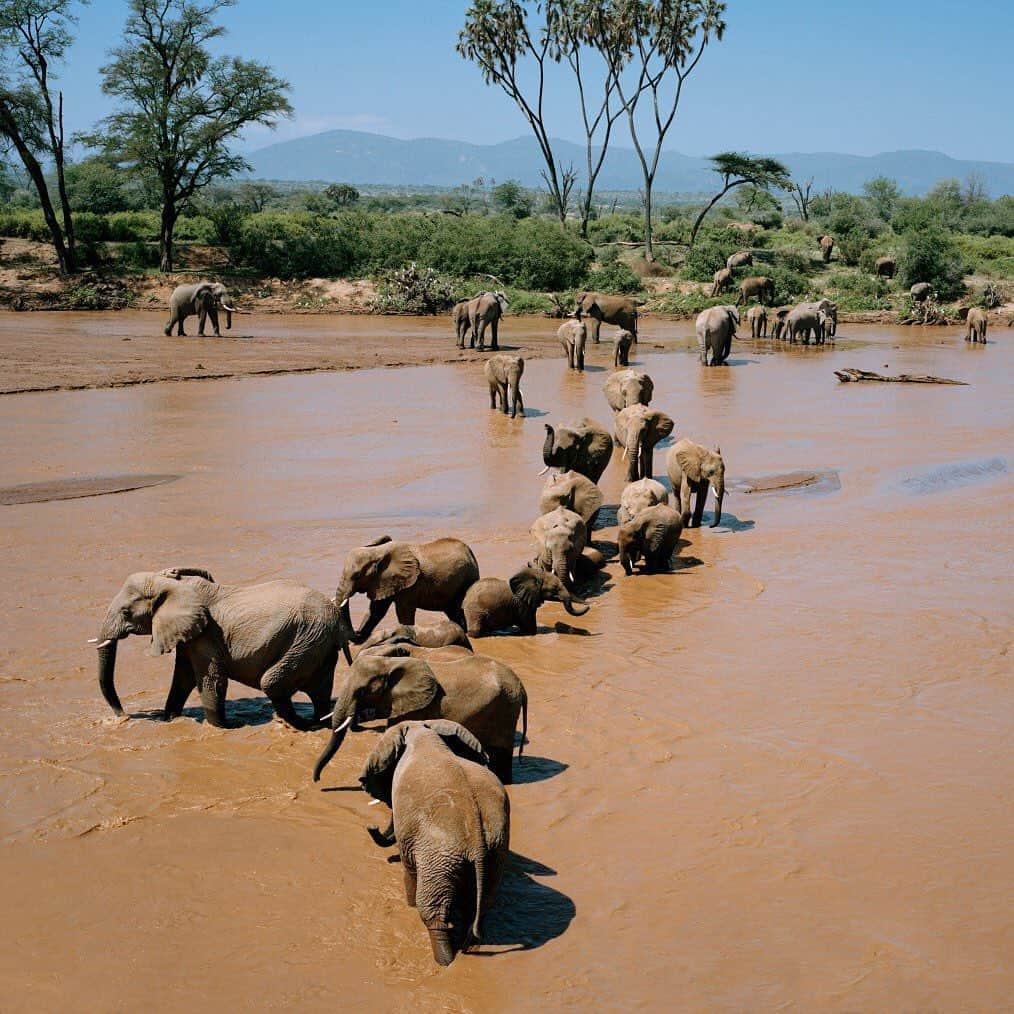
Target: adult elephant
{"points": [[574, 491], [885, 267], [204, 299], [920, 292], [618, 310], [503, 374], [279, 637], [451, 818], [826, 248], [560, 537], [778, 322], [740, 259], [638, 430], [429, 575], [478, 313], [977, 322], [628, 387], [720, 281], [583, 447], [757, 317], [573, 337], [484, 695], [692, 468], [715, 329], [652, 535], [759, 287], [639, 496], [804, 319]]}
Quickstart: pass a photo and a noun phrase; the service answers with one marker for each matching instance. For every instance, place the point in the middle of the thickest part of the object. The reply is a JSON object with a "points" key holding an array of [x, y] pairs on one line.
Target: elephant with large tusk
{"points": [[560, 536], [204, 299], [279, 637], [638, 430]]}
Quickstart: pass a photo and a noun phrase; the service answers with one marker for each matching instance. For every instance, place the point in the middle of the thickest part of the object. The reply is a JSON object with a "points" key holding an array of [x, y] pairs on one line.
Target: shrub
{"points": [[139, 255], [931, 255], [988, 255], [298, 245], [710, 253], [613, 276], [415, 290], [90, 228], [852, 245], [790, 286], [131, 226], [687, 304], [195, 229]]}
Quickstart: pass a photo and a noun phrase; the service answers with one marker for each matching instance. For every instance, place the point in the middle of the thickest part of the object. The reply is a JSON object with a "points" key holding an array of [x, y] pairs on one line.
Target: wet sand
{"points": [[779, 776]]}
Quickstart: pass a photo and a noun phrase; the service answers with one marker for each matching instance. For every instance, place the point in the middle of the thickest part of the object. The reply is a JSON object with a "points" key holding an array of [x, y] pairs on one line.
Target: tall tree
{"points": [[738, 170], [180, 108], [652, 47], [35, 34], [800, 194]]}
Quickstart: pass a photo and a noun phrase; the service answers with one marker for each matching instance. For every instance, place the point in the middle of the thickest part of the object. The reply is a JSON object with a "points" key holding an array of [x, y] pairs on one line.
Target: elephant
{"points": [[621, 348], [478, 313], [484, 695], [573, 337], [638, 429], [628, 387], [503, 373], [203, 299], [740, 259], [638, 496], [885, 267], [652, 535], [692, 468], [921, 291], [759, 287], [758, 318], [492, 604], [574, 491], [279, 637], [830, 309], [715, 330], [618, 310], [451, 818], [778, 324], [583, 447], [977, 321], [803, 319], [431, 575], [720, 281], [560, 536], [826, 248], [438, 635]]}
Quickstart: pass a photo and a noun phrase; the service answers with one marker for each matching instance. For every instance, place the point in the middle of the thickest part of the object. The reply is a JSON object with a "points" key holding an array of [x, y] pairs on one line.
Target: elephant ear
{"points": [[527, 587], [177, 572], [178, 615], [398, 570], [413, 687], [664, 425], [377, 777], [690, 463], [382, 541], [591, 500], [459, 740]]}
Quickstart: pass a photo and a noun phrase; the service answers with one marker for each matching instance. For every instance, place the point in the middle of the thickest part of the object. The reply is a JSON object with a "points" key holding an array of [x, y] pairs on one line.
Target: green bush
{"points": [[195, 229], [687, 304], [988, 255], [25, 223], [710, 253], [131, 226], [613, 276], [139, 255], [931, 255], [790, 286], [415, 290], [851, 246], [616, 229], [288, 245]]}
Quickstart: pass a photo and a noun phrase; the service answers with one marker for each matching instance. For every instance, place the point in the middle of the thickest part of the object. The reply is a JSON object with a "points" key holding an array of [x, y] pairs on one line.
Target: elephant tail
{"points": [[524, 722], [474, 934]]}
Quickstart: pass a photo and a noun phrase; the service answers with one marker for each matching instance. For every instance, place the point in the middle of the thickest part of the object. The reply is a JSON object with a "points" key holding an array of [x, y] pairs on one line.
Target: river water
{"points": [[779, 776]]}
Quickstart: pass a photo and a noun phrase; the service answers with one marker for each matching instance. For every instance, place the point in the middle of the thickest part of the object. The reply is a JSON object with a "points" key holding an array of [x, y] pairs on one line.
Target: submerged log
{"points": [[851, 375]]}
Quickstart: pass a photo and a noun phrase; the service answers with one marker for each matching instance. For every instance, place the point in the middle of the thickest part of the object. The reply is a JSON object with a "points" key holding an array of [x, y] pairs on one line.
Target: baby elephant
{"points": [[639, 495], [653, 534], [758, 318], [492, 604], [503, 374], [439, 635], [621, 348], [573, 337], [451, 818], [484, 695]]}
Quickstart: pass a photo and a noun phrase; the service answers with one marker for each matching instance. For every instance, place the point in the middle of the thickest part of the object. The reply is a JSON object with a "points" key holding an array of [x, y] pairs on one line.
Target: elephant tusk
{"points": [[343, 603], [546, 469], [327, 717], [373, 802], [624, 458], [105, 644], [345, 724]]}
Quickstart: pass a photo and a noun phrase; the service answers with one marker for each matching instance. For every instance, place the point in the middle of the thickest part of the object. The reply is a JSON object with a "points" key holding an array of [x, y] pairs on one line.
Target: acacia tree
{"points": [[739, 170], [34, 34], [800, 194], [652, 47], [179, 107]]}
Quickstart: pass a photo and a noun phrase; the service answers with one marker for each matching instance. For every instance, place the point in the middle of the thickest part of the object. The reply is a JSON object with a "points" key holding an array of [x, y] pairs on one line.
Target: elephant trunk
{"points": [[337, 737], [560, 568], [719, 497], [548, 446], [107, 669], [575, 606], [443, 949], [346, 631]]}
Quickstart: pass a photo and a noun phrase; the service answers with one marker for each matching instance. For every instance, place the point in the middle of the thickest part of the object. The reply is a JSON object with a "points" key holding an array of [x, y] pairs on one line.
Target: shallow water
{"points": [[780, 775]]}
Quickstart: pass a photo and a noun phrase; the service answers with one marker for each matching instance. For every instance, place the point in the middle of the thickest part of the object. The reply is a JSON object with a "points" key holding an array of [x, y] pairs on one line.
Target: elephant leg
{"points": [[454, 612], [410, 885], [501, 762], [202, 317], [183, 685], [169, 327], [701, 497], [595, 330], [298, 669], [179, 325], [480, 333], [503, 398], [495, 329], [378, 610], [213, 682], [492, 396], [320, 692], [213, 314], [405, 610]]}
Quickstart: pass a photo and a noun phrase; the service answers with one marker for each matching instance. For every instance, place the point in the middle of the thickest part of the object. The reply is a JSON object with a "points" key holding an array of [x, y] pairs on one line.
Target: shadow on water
{"points": [[528, 770], [534, 413], [526, 913], [730, 523], [247, 711]]}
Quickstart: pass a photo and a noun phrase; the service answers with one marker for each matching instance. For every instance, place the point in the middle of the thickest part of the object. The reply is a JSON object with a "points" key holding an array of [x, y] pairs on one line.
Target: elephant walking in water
{"points": [[583, 447], [453, 840], [977, 321], [618, 310], [573, 337], [475, 315], [715, 330], [503, 374], [692, 468], [204, 299], [638, 430]]}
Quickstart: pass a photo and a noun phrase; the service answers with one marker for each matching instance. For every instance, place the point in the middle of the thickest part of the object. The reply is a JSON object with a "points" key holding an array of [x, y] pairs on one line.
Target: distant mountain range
{"points": [[351, 156]]}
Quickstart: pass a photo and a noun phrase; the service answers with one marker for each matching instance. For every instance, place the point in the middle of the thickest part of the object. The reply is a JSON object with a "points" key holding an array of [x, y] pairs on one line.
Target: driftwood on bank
{"points": [[851, 375]]}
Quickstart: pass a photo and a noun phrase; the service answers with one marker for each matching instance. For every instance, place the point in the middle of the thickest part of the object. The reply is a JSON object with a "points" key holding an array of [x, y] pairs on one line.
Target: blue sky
{"points": [[858, 76]]}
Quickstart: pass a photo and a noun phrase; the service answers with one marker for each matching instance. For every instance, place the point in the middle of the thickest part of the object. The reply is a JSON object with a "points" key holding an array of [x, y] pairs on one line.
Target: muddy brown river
{"points": [[779, 777]]}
